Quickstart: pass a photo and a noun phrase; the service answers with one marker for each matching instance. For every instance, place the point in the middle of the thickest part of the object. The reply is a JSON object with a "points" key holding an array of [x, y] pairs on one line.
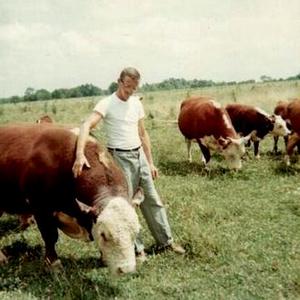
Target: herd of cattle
{"points": [[227, 129], [36, 174]]}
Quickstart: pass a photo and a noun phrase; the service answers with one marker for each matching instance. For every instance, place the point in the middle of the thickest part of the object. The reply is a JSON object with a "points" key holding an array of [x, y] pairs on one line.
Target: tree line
{"points": [[87, 90]]}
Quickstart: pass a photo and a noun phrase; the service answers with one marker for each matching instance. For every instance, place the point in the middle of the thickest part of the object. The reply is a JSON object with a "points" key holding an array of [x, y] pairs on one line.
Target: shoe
{"points": [[141, 257], [176, 248], [171, 247]]}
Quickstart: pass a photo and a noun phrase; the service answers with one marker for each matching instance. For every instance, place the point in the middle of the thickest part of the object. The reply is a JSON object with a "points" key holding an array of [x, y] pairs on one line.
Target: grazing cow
{"points": [[36, 171], [203, 119], [293, 115], [281, 110], [246, 119]]}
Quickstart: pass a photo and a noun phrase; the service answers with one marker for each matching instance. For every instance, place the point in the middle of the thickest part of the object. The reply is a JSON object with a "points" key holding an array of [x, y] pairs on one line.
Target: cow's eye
{"points": [[103, 236]]}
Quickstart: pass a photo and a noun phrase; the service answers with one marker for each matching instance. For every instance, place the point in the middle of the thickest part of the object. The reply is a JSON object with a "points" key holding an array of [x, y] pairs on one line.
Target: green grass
{"points": [[240, 229]]}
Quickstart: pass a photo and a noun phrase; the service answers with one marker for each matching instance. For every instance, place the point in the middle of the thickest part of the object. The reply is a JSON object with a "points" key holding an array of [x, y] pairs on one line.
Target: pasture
{"points": [[240, 229]]}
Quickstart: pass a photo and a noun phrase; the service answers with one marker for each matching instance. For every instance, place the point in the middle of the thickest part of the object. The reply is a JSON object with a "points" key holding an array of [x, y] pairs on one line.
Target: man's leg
{"points": [[152, 207], [129, 162]]}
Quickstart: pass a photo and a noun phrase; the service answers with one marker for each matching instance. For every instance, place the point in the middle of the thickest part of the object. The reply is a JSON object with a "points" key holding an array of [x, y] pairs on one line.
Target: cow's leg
{"points": [[256, 146], [189, 149], [25, 221], [275, 147], [205, 152], [3, 258], [292, 142], [248, 144], [298, 147], [48, 229]]}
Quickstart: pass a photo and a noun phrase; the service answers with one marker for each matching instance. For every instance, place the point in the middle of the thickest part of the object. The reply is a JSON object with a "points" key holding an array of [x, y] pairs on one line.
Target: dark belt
{"points": [[124, 150]]}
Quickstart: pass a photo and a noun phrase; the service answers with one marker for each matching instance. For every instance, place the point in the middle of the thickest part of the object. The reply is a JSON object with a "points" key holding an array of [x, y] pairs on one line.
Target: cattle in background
{"points": [[247, 119], [206, 121], [281, 110], [293, 115], [44, 119], [36, 171]]}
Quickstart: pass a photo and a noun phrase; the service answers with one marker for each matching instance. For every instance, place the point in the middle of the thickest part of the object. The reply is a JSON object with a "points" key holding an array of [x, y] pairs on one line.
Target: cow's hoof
{"points": [[287, 160], [55, 266], [3, 259]]}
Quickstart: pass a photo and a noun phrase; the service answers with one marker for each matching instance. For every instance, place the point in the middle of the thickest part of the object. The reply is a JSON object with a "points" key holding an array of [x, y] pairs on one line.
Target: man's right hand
{"points": [[80, 161]]}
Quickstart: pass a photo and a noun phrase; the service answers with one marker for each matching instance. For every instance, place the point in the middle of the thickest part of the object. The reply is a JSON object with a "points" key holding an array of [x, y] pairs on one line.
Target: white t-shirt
{"points": [[121, 120]]}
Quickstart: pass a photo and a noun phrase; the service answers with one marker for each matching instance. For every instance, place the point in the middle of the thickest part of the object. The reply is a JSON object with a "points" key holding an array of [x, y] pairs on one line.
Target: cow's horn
{"points": [[86, 208]]}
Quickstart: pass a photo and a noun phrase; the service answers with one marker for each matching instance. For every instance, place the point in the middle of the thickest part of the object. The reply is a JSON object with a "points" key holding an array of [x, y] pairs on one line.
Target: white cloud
{"points": [[50, 44]]}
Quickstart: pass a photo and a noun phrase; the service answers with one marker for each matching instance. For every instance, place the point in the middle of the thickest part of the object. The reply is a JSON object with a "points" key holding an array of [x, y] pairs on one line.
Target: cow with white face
{"points": [[206, 121], [293, 115], [36, 171], [247, 119]]}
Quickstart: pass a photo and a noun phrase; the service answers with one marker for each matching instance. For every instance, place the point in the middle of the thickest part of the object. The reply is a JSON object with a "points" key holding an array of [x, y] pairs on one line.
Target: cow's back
{"points": [[246, 118], [243, 117], [36, 162], [202, 116]]}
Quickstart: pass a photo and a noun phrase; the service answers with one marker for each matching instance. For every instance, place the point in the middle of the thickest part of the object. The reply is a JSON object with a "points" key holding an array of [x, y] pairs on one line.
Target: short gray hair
{"points": [[130, 72]]}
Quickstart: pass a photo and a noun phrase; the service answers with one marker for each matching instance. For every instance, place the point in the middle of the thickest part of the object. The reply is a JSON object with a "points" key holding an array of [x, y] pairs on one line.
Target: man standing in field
{"points": [[129, 143]]}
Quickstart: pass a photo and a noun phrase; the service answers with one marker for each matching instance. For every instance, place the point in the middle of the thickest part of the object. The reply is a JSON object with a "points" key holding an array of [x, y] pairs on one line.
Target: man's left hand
{"points": [[154, 171]]}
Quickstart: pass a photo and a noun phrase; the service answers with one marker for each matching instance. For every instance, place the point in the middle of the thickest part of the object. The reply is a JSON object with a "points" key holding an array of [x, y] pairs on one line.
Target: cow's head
{"points": [[233, 149], [279, 126], [115, 231]]}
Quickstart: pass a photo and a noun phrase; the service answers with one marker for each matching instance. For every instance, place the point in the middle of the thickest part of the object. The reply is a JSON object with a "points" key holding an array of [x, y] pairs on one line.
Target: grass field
{"points": [[240, 229]]}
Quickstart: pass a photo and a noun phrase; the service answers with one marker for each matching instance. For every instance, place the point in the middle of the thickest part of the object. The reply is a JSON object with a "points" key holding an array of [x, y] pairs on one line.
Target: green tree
{"points": [[29, 94], [113, 87], [43, 94]]}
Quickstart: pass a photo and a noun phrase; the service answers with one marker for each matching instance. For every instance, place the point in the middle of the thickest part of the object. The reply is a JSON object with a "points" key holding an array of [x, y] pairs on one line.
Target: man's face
{"points": [[127, 86]]}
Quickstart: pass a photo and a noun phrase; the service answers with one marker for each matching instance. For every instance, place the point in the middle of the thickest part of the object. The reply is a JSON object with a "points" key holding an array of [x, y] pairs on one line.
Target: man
{"points": [[129, 143]]}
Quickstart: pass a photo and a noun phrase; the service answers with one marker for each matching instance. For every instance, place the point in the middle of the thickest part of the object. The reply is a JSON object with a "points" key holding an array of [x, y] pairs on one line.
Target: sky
{"points": [[65, 43]]}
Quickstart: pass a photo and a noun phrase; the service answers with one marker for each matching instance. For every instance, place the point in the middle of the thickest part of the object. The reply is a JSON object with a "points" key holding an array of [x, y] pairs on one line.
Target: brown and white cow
{"points": [[206, 121], [36, 171], [293, 115], [281, 109], [247, 119]]}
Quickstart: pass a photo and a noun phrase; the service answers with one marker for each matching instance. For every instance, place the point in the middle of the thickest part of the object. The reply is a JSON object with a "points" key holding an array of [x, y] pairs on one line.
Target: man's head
{"points": [[128, 83]]}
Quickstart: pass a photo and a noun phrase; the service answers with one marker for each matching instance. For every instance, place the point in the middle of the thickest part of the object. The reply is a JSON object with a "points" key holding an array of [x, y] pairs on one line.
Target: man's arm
{"points": [[84, 132], [146, 144]]}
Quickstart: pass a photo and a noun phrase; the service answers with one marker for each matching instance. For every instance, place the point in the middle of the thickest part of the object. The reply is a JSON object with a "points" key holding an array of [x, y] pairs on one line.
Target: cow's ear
{"points": [[90, 210], [223, 142]]}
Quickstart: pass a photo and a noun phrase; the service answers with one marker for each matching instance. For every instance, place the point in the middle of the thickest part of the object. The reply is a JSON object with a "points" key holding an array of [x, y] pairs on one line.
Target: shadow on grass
{"points": [[282, 169], [81, 278], [185, 168], [9, 225]]}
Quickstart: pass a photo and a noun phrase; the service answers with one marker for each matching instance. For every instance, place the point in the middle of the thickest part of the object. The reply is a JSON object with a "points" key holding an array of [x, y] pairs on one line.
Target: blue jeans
{"points": [[138, 174]]}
